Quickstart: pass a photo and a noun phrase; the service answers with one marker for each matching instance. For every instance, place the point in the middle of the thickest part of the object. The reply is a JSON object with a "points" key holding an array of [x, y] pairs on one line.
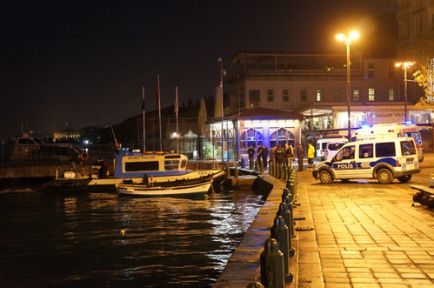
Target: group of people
{"points": [[280, 154]]}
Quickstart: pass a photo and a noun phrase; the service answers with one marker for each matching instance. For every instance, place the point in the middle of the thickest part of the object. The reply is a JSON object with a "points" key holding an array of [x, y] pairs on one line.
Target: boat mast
{"points": [[159, 110], [143, 119]]}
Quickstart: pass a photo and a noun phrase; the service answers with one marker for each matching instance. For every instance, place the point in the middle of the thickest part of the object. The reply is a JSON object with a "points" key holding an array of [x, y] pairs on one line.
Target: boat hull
{"points": [[146, 191]]}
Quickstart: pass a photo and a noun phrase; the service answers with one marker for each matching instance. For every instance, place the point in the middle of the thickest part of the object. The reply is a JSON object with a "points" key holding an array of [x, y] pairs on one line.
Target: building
{"points": [[415, 30]]}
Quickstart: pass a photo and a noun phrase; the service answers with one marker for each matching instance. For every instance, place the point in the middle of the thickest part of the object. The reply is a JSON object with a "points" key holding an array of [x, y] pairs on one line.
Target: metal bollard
{"points": [[280, 232], [285, 213], [272, 274], [291, 216]]}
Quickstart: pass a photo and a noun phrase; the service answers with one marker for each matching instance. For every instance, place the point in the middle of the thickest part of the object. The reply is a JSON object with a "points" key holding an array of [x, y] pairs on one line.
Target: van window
{"points": [[346, 153], [385, 149], [335, 146], [366, 151], [407, 148]]}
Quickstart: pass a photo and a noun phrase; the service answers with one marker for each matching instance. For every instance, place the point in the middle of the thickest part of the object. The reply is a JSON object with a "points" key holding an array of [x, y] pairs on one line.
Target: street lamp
{"points": [[405, 65], [348, 39]]}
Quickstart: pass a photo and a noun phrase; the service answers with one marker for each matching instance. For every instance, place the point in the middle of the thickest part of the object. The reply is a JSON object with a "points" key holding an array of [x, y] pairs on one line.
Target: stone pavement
{"points": [[364, 235]]}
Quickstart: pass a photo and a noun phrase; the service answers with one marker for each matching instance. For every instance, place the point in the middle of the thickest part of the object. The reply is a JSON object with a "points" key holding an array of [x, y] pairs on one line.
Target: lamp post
{"points": [[405, 65], [220, 60], [348, 39]]}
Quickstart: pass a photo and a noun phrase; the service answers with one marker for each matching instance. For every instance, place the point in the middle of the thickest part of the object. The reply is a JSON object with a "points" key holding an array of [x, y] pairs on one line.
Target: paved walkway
{"points": [[365, 235]]}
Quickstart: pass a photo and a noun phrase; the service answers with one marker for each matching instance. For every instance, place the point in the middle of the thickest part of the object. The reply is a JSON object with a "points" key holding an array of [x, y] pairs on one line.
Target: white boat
{"points": [[156, 167], [175, 190]]}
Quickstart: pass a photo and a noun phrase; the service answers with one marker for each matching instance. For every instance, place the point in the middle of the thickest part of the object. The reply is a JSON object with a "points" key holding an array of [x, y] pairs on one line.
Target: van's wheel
{"points": [[384, 176], [405, 179], [325, 177]]}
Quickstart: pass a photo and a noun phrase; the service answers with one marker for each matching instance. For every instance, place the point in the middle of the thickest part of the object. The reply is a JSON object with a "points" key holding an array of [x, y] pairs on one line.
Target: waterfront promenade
{"points": [[363, 235]]}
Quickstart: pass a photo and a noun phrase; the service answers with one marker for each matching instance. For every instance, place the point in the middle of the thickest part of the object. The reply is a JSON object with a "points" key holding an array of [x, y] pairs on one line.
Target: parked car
{"points": [[381, 159]]}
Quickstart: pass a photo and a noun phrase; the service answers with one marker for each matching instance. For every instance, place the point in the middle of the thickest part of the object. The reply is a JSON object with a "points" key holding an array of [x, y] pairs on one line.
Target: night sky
{"points": [[85, 61]]}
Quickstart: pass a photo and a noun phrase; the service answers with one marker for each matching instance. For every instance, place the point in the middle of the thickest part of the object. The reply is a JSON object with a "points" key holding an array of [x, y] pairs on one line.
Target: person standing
{"points": [[300, 156], [264, 156], [289, 154], [310, 155], [259, 158], [251, 154]]}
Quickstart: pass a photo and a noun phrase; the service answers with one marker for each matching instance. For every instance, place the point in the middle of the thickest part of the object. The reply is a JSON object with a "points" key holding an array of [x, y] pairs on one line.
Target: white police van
{"points": [[383, 159]]}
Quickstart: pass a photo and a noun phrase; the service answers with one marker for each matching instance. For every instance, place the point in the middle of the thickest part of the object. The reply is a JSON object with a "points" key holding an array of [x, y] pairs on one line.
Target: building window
{"points": [[270, 95], [318, 95], [254, 98], [303, 95], [371, 70], [371, 94], [251, 137], [391, 94], [356, 95], [285, 96]]}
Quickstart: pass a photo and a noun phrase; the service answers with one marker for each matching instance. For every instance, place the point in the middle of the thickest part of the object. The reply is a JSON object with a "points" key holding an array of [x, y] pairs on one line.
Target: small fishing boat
{"points": [[159, 167], [194, 189]]}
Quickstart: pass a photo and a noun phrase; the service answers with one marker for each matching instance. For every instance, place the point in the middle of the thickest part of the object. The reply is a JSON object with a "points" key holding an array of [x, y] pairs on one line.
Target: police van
{"points": [[381, 159], [392, 130]]}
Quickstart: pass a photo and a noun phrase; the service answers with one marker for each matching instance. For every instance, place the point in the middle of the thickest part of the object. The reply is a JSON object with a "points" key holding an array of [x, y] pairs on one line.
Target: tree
{"points": [[424, 76]]}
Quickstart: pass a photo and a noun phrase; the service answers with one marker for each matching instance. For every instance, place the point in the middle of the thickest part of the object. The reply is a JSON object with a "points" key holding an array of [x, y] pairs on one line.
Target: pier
{"points": [[355, 234]]}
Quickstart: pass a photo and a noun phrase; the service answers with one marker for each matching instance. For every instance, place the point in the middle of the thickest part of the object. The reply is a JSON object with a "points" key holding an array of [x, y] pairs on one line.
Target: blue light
{"points": [[366, 126], [409, 122]]}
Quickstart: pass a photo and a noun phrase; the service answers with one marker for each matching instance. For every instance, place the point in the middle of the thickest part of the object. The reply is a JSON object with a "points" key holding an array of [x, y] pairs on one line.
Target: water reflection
{"points": [[99, 239]]}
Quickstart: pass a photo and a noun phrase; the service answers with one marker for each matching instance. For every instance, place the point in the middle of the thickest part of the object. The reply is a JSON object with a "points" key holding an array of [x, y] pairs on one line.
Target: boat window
{"points": [[183, 164], [171, 165], [173, 156], [141, 166]]}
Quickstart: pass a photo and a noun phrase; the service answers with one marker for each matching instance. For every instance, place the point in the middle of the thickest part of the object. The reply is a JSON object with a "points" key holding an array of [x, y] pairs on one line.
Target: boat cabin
{"points": [[134, 164]]}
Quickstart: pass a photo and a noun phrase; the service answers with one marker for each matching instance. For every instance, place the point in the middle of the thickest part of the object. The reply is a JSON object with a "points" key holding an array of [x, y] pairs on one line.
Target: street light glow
{"points": [[347, 39], [405, 65]]}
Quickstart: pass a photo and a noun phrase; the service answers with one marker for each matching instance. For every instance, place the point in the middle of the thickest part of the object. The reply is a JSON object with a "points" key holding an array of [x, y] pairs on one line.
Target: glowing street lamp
{"points": [[348, 39], [405, 65]]}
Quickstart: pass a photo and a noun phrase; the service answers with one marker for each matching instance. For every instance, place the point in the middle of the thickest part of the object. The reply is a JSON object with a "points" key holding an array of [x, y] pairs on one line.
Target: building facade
{"points": [[415, 30]]}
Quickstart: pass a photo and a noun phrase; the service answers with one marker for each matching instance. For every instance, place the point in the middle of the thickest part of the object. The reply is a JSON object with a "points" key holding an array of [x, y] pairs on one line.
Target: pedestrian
{"points": [[279, 155], [310, 155], [300, 156], [289, 154], [264, 156], [251, 154], [102, 167], [259, 158]]}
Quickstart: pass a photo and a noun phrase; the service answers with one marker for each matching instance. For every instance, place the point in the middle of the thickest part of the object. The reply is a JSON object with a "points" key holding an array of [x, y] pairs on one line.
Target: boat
{"points": [[156, 167], [195, 189]]}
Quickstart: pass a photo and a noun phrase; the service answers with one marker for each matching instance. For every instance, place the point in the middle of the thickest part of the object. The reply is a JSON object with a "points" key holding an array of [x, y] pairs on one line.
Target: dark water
{"points": [[102, 240]]}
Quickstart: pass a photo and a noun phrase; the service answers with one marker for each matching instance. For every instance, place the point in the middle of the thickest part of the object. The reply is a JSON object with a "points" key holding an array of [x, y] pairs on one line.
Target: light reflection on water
{"points": [[98, 239]]}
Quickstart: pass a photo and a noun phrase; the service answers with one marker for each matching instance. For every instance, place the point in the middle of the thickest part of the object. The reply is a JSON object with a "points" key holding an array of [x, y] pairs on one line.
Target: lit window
{"points": [[391, 94], [356, 95], [318, 95], [371, 94], [285, 97], [270, 95]]}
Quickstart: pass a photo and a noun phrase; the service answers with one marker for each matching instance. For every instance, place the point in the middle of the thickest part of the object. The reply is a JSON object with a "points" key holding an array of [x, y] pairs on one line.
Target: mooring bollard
{"points": [[272, 274], [287, 196], [281, 233], [291, 218], [285, 213]]}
